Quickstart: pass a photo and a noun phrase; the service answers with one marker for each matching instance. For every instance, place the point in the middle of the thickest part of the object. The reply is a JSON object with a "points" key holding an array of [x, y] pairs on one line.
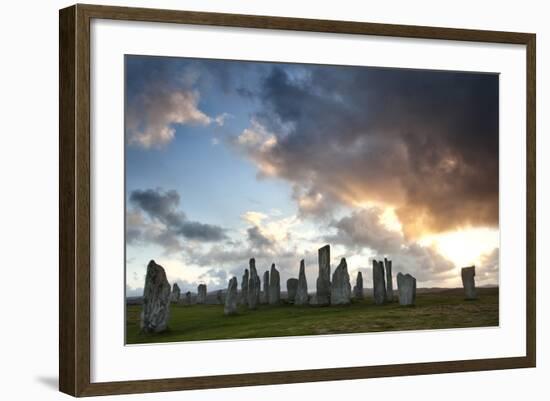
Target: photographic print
{"points": [[268, 199]]}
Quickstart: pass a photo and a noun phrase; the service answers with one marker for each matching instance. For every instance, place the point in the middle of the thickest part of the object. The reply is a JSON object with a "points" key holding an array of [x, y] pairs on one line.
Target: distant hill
{"points": [[212, 296]]}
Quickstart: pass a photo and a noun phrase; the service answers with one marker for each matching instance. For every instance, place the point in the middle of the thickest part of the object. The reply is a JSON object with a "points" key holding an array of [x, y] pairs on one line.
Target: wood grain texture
{"points": [[74, 199], [67, 131], [531, 229]]}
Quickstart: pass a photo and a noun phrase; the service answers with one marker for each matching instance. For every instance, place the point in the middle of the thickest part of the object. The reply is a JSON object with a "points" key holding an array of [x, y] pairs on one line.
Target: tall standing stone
{"points": [[156, 300], [378, 282], [406, 287], [231, 297], [265, 294], [253, 286], [389, 280], [291, 288], [274, 286], [323, 281], [201, 294], [244, 288], [358, 288], [176, 292], [340, 289], [302, 297], [312, 301], [469, 283]]}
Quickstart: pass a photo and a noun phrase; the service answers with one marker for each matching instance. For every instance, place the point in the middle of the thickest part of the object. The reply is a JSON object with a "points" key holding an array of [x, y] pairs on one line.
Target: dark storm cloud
{"points": [[201, 232], [182, 73], [364, 229], [162, 207], [159, 204], [424, 142]]}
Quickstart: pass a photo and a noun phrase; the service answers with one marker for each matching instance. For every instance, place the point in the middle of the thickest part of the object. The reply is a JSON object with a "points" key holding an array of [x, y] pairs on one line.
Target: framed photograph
{"points": [[250, 200]]}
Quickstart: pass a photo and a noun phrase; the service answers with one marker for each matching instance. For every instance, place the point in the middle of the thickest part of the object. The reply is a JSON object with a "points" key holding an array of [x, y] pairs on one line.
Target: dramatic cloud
{"points": [[365, 229], [257, 240], [375, 162], [487, 271], [424, 142], [165, 225], [162, 94], [266, 238], [151, 117]]}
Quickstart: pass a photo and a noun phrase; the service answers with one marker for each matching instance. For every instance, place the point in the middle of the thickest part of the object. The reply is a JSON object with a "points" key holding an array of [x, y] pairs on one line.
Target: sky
{"points": [[228, 160]]}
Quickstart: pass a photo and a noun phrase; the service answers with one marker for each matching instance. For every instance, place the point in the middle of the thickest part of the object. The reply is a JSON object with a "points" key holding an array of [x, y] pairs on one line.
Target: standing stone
{"points": [[340, 289], [301, 292], [219, 297], [175, 296], [274, 297], [244, 288], [379, 282], [265, 293], [323, 281], [201, 294], [188, 297], [253, 286], [156, 300], [389, 280], [469, 283], [231, 297], [406, 286], [358, 288], [313, 300], [291, 287]]}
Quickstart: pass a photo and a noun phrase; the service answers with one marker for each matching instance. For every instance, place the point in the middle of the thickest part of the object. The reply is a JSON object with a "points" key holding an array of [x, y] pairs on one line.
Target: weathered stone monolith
{"points": [[389, 280], [406, 287], [175, 296], [358, 288], [264, 297], [469, 283], [220, 297], [201, 294], [244, 288], [291, 287], [231, 297], [274, 286], [302, 297], [156, 300], [253, 286], [312, 300], [378, 282], [323, 281], [340, 288]]}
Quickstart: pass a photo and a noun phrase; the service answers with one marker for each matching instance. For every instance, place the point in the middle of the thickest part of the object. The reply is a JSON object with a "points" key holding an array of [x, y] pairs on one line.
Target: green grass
{"points": [[442, 310]]}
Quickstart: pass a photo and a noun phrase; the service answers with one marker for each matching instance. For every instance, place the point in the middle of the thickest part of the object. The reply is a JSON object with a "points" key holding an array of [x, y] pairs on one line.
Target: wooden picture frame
{"points": [[74, 200]]}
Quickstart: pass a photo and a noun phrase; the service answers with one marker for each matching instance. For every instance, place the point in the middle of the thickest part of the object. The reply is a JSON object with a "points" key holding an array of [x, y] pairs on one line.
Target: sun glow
{"points": [[390, 220], [464, 247]]}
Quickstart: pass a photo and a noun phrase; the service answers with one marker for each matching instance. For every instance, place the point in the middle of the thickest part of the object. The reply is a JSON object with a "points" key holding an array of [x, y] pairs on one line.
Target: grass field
{"points": [[441, 310]]}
